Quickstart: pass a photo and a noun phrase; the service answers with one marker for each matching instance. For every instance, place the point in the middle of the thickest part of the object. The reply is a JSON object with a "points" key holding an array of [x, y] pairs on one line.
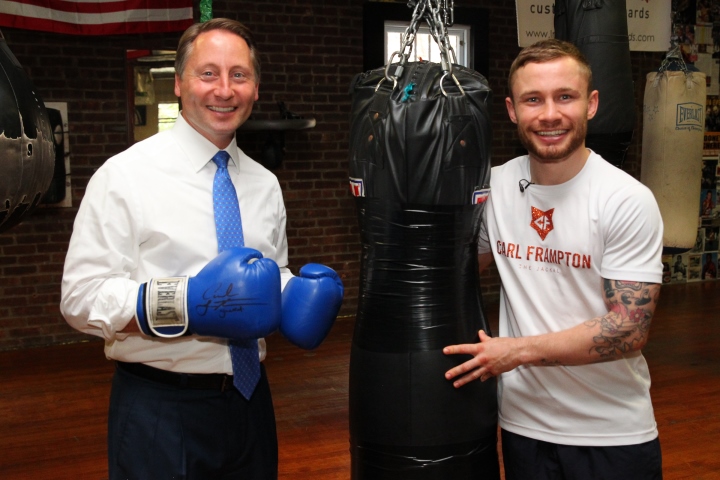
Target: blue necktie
{"points": [[228, 225]]}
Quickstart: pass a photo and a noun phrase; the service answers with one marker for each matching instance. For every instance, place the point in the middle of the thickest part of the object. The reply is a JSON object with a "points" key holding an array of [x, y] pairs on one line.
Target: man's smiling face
{"points": [[551, 106], [218, 86]]}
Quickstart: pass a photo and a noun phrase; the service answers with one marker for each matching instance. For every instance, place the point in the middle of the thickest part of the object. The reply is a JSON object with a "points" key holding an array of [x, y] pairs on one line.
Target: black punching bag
{"points": [[599, 29], [419, 165], [27, 153]]}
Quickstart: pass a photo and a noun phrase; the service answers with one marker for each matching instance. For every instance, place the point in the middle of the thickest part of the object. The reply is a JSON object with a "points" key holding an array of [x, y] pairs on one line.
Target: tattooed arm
{"points": [[624, 329]]}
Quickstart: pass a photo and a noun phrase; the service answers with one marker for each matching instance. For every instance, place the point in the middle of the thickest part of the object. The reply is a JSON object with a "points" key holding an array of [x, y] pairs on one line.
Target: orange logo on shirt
{"points": [[542, 221]]}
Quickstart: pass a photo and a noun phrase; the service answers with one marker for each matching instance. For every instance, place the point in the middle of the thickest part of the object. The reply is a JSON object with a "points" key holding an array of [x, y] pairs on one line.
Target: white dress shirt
{"points": [[148, 212]]}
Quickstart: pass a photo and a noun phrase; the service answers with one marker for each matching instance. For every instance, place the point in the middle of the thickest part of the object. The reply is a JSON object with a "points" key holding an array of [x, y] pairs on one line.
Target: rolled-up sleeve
{"points": [[98, 296]]}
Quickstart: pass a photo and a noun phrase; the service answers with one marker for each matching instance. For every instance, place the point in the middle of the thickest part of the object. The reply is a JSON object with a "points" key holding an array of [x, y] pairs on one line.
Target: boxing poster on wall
{"points": [[701, 262], [675, 268], [59, 193], [694, 268], [709, 209], [712, 123]]}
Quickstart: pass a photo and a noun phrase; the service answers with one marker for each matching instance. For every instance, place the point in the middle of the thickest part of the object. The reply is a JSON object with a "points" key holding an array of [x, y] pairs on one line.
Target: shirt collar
{"points": [[200, 150]]}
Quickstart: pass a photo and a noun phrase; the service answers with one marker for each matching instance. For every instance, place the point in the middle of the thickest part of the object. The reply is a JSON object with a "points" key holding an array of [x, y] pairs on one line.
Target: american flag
{"points": [[97, 17]]}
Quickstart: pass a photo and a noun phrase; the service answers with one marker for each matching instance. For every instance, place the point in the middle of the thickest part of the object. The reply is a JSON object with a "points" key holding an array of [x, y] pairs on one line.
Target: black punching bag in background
{"points": [[419, 162], [27, 153], [599, 29]]}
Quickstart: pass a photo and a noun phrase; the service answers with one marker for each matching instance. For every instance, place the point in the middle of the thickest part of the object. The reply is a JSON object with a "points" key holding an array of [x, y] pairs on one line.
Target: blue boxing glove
{"points": [[236, 296], [310, 304]]}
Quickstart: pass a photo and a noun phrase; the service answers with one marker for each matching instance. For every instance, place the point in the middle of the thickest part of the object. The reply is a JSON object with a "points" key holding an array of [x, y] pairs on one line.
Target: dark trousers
{"points": [[158, 432], [528, 459]]}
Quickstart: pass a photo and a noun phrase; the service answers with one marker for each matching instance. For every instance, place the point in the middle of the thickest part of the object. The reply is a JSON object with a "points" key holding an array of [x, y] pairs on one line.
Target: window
{"points": [[471, 21], [167, 114], [425, 46]]}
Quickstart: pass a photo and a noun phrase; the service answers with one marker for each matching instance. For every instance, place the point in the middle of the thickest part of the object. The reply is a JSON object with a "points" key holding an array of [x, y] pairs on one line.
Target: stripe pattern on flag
{"points": [[97, 17]]}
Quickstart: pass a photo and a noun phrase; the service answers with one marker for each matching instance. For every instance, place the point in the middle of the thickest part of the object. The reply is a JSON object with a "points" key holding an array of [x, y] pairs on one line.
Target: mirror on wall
{"points": [[152, 104]]}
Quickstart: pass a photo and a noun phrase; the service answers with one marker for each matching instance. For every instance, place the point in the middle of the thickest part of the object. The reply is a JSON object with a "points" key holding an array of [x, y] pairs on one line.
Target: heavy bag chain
{"points": [[674, 61], [439, 15]]}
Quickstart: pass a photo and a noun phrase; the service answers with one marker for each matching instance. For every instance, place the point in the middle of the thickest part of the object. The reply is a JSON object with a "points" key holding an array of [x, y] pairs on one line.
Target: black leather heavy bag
{"points": [[416, 144], [599, 29], [418, 163], [27, 152]]}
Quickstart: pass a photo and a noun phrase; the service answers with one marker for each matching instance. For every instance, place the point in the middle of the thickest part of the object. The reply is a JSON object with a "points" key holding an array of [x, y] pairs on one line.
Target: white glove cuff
{"points": [[166, 306]]}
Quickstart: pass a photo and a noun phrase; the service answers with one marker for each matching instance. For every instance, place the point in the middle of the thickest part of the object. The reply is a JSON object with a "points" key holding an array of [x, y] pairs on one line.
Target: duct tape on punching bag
{"points": [[419, 167], [672, 149], [27, 151], [599, 29]]}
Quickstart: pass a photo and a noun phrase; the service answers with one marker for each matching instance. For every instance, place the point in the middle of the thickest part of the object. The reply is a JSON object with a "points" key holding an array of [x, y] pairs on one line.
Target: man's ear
{"points": [[510, 109], [593, 102]]}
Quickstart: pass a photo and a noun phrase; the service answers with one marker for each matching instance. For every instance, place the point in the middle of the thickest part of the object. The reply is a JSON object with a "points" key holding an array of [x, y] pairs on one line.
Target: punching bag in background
{"points": [[419, 163], [27, 152], [599, 29], [672, 149]]}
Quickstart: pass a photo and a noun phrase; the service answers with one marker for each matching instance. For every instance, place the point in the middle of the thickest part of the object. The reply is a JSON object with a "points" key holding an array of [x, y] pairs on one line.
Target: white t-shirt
{"points": [[553, 245]]}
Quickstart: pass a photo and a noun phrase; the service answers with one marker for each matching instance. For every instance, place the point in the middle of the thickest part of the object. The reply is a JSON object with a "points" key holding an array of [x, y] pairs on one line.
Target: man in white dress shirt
{"points": [[148, 213]]}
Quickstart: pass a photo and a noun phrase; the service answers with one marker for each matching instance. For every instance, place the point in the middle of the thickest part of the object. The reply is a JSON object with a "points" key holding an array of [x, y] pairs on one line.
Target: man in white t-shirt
{"points": [[578, 244]]}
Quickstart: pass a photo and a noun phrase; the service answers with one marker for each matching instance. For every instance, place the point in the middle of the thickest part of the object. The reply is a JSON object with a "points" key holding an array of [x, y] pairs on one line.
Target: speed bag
{"points": [[672, 149], [27, 151]]}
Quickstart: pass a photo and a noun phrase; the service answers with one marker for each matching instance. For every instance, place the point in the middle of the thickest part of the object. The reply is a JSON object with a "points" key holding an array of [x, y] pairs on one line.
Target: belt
{"points": [[191, 381]]}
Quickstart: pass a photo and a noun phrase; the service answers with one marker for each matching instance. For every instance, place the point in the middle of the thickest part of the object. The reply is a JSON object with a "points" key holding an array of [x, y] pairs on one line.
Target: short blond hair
{"points": [[545, 51]]}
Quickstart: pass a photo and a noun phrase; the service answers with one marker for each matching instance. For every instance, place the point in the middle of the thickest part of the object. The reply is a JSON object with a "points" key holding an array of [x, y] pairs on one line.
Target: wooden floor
{"points": [[53, 400]]}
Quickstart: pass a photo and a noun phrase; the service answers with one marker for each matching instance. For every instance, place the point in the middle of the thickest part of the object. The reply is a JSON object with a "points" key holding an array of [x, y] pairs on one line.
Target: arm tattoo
{"points": [[549, 363], [626, 325]]}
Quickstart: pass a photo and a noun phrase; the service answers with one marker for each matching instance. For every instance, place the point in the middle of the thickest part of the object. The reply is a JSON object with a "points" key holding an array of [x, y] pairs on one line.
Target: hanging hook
{"points": [[674, 53], [397, 73], [457, 83]]}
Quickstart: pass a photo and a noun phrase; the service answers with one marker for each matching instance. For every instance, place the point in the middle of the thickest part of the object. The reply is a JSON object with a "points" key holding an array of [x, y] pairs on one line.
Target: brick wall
{"points": [[310, 52]]}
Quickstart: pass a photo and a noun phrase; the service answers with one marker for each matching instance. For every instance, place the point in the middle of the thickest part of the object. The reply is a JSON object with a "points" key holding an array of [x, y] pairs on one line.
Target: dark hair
{"points": [[187, 41], [545, 51]]}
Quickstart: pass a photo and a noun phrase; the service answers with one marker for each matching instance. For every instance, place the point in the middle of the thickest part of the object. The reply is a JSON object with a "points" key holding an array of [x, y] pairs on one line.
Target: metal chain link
{"points": [[439, 15]]}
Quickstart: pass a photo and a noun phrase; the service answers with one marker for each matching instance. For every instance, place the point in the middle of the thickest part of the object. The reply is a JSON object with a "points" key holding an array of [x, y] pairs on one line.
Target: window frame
{"points": [[423, 31], [376, 13]]}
